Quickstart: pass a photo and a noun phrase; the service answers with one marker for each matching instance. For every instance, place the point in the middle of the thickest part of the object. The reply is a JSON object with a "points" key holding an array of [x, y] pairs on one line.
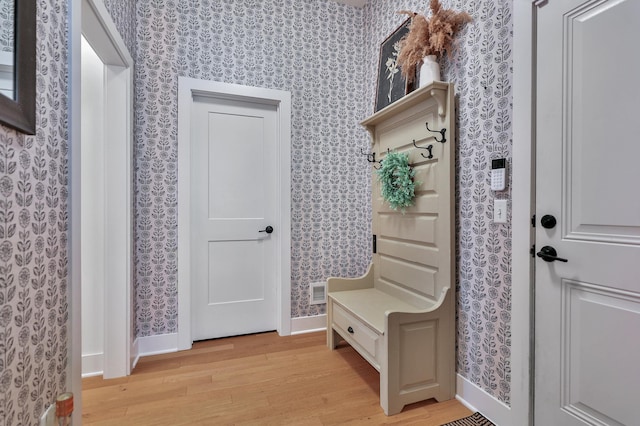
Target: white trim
{"points": [[464, 402], [310, 324], [472, 397], [92, 18], [101, 33], [154, 345], [158, 344], [168, 343], [135, 353], [187, 88], [6, 58], [92, 365], [118, 223], [87, 375], [523, 208], [96, 23], [75, 282]]}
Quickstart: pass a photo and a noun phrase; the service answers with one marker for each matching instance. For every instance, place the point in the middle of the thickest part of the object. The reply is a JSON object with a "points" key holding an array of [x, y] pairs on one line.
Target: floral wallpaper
{"points": [[481, 69], [7, 17], [326, 54], [312, 48], [34, 308]]}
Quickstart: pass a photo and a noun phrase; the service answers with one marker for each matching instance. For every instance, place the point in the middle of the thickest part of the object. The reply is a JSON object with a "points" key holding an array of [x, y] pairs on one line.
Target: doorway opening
{"points": [[101, 200]]}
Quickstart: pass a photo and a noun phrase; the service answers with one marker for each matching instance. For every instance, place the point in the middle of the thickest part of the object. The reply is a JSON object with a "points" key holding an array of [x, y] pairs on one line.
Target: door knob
{"points": [[548, 221], [268, 229], [549, 254]]}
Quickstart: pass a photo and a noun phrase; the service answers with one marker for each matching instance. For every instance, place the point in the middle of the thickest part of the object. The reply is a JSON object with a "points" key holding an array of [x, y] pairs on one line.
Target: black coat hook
{"points": [[428, 148], [380, 162], [371, 157], [442, 132]]}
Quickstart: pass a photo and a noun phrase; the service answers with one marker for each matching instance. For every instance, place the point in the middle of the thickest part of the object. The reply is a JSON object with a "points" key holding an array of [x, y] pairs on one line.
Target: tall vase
{"points": [[429, 71]]}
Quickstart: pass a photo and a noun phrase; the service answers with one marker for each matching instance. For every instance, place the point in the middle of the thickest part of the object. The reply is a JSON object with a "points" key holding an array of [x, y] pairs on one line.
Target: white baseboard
{"points": [[476, 399], [167, 343], [135, 352], [92, 365], [308, 324], [154, 345]]}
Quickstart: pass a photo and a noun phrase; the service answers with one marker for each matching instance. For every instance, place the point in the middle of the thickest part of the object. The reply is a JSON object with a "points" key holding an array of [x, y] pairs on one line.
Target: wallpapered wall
{"points": [[481, 71], [315, 50], [7, 17], [33, 232], [312, 48], [326, 54]]}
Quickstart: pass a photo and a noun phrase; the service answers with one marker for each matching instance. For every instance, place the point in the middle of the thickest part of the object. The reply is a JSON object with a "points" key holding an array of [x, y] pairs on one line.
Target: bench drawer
{"points": [[353, 329]]}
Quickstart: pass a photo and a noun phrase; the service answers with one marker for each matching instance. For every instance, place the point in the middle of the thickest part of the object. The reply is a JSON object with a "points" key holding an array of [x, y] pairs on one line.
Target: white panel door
{"points": [[587, 326], [233, 199]]}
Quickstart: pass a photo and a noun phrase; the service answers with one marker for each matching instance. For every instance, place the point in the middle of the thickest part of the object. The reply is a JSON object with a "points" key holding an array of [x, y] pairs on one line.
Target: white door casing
{"points": [[523, 206], [91, 19], [587, 309], [233, 198], [101, 33], [188, 89]]}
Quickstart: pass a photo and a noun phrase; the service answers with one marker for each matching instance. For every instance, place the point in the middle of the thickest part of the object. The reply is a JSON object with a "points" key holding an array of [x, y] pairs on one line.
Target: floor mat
{"points": [[476, 419]]}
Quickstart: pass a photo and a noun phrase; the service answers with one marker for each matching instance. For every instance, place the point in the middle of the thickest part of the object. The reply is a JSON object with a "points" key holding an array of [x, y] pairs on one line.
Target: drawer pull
{"points": [[350, 330]]}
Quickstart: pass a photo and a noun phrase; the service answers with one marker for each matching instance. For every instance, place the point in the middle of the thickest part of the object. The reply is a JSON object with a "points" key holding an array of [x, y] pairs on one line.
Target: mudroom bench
{"points": [[400, 315], [396, 337]]}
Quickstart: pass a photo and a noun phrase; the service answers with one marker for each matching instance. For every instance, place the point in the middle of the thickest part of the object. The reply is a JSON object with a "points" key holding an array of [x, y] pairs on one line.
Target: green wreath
{"points": [[396, 178]]}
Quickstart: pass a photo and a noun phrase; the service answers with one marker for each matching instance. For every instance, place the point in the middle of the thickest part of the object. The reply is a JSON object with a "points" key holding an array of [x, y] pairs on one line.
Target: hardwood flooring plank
{"points": [[260, 379]]}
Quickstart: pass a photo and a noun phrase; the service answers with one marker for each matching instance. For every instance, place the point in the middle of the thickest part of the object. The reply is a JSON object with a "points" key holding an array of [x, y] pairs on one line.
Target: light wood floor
{"points": [[261, 379]]}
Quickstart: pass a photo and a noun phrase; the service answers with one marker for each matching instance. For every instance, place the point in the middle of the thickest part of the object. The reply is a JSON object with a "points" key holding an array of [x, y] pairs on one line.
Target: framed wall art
{"points": [[391, 84]]}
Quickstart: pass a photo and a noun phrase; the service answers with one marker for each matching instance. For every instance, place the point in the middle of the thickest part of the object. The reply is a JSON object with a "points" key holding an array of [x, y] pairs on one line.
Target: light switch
{"points": [[499, 211]]}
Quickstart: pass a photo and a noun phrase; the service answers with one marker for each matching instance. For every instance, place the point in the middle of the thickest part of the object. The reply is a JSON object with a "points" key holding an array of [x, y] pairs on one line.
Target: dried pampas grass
{"points": [[432, 36], [444, 24], [413, 47]]}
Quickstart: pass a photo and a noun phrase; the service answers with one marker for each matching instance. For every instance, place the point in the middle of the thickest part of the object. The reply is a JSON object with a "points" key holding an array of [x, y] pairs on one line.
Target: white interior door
{"points": [[587, 325], [233, 202]]}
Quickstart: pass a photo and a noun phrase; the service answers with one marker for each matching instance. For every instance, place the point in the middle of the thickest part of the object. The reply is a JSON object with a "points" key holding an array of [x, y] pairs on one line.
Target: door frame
{"points": [[187, 89], [91, 18], [523, 208]]}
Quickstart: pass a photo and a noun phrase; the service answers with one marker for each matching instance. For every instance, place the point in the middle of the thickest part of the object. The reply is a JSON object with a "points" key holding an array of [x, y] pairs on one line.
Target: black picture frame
{"points": [[20, 113], [391, 84]]}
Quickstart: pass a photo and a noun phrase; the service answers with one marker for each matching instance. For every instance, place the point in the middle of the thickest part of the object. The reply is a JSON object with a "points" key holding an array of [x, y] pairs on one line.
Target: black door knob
{"points": [[268, 229], [548, 221], [549, 254]]}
